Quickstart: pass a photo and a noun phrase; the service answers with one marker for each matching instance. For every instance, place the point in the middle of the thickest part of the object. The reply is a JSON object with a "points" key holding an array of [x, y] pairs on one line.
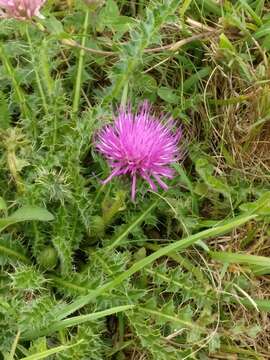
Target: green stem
{"points": [[14, 346], [116, 241], [230, 101], [124, 96], [12, 75], [121, 328], [76, 100], [38, 80]]}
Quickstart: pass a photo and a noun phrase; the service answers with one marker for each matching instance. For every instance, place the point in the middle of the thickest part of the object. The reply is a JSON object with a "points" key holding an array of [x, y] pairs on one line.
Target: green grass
{"points": [[85, 273]]}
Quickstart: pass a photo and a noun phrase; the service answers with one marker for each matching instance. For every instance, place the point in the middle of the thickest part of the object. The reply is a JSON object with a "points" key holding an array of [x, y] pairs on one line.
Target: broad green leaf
{"points": [[205, 170], [110, 10], [31, 213], [168, 95], [145, 83], [26, 213], [54, 26], [195, 78]]}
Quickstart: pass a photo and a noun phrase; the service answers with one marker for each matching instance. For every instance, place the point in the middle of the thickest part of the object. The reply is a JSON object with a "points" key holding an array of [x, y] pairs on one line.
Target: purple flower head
{"points": [[20, 9], [141, 145]]}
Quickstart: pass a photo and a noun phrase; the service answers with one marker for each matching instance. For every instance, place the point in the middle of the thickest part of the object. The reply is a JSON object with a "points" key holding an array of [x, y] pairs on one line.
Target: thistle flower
{"points": [[20, 9], [140, 145]]}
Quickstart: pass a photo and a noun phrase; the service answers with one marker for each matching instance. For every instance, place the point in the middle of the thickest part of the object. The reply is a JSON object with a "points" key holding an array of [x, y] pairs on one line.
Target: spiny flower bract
{"points": [[21, 9], [140, 144]]}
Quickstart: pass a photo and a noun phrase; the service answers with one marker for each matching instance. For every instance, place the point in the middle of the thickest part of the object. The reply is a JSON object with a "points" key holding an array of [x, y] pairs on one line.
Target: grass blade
{"points": [[47, 353], [77, 91], [131, 226], [262, 305], [259, 264]]}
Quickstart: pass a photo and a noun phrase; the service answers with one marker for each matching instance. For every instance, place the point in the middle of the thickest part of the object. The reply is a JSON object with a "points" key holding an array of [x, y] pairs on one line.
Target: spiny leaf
{"points": [[176, 246], [73, 321]]}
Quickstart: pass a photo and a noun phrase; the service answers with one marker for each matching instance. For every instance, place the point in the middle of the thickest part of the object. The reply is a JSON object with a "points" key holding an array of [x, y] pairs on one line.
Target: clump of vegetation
{"points": [[87, 273]]}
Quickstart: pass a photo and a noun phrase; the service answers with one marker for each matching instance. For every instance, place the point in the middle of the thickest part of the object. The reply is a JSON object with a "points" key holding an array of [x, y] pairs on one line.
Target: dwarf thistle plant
{"points": [[87, 273]]}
